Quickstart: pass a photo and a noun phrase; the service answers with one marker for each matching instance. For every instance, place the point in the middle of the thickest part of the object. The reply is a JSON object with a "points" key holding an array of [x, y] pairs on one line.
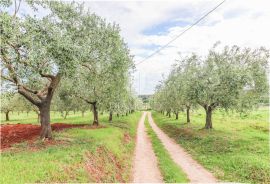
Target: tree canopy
{"points": [[232, 78], [66, 43]]}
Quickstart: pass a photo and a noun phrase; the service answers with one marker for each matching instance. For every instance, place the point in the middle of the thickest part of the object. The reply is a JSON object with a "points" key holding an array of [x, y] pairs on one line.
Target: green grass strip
{"points": [[170, 171]]}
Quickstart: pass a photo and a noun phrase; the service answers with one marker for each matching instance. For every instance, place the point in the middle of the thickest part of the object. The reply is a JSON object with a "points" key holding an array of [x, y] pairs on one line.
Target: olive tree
{"points": [[158, 101], [229, 78], [103, 71], [120, 99], [8, 103], [185, 72], [232, 78], [37, 52]]}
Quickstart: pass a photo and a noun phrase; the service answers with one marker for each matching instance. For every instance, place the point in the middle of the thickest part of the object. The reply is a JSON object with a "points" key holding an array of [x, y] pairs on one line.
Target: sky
{"points": [[148, 25]]}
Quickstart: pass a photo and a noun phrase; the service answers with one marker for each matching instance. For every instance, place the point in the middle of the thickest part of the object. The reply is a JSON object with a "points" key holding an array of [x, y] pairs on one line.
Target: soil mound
{"points": [[16, 133]]}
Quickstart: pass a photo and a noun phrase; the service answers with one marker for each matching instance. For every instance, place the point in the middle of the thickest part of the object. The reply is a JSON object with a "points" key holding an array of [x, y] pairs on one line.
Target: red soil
{"points": [[98, 165], [11, 134]]}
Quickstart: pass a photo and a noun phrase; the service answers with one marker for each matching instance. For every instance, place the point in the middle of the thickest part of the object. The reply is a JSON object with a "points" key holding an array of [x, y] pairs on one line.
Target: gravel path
{"points": [[195, 172], [145, 164]]}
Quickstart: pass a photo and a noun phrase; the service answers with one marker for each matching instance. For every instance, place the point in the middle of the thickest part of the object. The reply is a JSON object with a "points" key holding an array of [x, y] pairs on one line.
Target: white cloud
{"points": [[241, 22]]}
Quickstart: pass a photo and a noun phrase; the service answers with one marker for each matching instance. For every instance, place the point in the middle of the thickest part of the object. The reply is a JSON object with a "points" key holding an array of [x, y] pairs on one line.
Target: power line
{"points": [[183, 32]]}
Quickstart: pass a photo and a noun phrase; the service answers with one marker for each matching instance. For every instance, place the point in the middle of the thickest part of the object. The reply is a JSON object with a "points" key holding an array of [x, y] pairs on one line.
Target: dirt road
{"points": [[195, 172], [145, 164]]}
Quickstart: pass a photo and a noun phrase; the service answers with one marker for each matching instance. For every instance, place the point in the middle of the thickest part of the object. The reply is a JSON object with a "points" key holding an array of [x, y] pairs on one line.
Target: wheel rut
{"points": [[196, 173], [145, 168]]}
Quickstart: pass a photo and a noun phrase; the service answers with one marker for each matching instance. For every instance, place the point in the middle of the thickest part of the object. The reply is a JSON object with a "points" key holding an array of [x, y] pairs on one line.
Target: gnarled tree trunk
{"points": [[66, 114], [188, 117], [82, 113], [7, 115], [43, 103], [110, 117], [208, 121], [95, 113], [176, 115], [46, 130]]}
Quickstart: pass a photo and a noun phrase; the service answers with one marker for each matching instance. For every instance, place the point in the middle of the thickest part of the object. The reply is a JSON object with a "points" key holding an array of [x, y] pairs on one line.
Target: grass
{"points": [[236, 150], [78, 154], [24, 118], [170, 171]]}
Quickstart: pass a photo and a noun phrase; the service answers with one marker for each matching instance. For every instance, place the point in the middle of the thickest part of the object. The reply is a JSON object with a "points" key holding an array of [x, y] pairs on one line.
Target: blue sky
{"points": [[163, 27]]}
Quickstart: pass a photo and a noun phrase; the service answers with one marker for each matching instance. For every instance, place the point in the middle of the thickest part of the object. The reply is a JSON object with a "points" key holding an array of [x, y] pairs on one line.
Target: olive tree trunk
{"points": [[42, 101], [176, 115], [46, 130], [110, 117], [66, 114], [208, 122], [188, 115], [95, 114], [7, 115]]}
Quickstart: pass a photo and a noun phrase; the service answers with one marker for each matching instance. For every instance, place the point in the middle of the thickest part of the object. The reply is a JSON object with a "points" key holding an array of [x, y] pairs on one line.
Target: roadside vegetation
{"points": [[59, 56], [102, 154], [210, 105], [170, 171], [229, 78], [61, 63], [236, 150]]}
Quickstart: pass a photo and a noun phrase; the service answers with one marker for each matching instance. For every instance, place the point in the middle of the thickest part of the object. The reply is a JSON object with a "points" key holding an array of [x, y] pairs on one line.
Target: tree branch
{"points": [[89, 68], [9, 67], [16, 50], [16, 7], [87, 101], [23, 92], [53, 84], [6, 78], [46, 75], [214, 105], [29, 90], [202, 104], [43, 93]]}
